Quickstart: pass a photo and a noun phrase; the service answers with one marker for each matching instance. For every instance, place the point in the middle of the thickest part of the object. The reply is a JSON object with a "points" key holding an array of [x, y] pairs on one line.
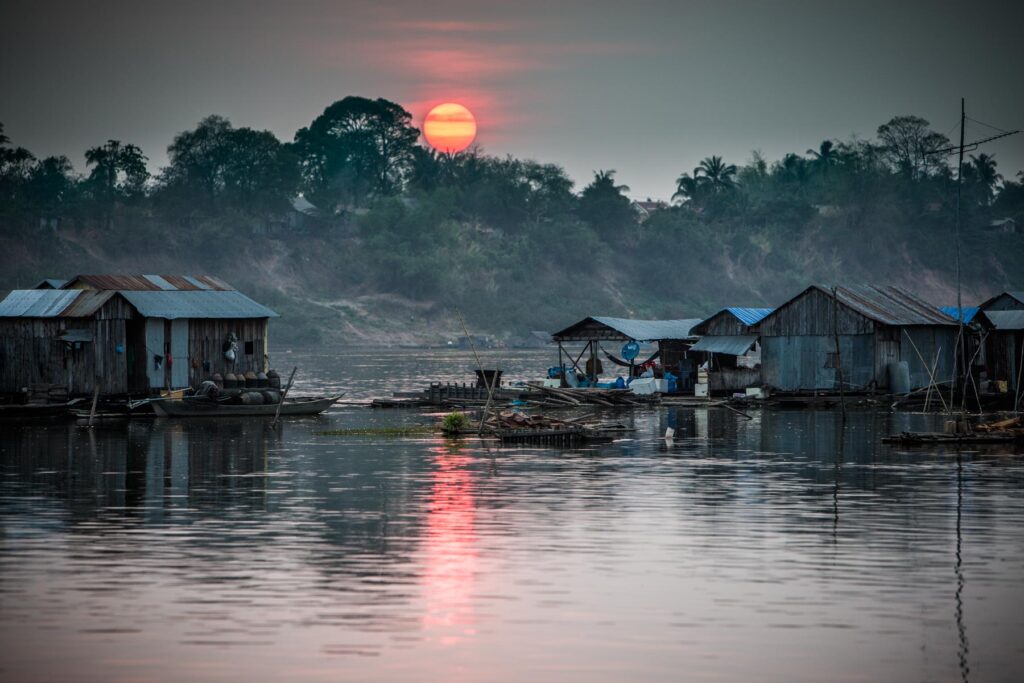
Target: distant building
{"points": [[875, 326], [1006, 225], [129, 334], [648, 208]]}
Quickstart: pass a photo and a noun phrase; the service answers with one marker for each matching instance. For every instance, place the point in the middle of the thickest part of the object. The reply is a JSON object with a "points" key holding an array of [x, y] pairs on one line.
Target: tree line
{"points": [[361, 151]]}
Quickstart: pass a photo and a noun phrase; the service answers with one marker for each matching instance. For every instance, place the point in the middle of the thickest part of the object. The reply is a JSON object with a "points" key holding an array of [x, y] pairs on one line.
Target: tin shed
{"points": [[875, 326]]}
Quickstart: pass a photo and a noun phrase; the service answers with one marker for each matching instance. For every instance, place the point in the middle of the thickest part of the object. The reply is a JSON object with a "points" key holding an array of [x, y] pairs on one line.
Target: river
{"points": [[788, 547]]}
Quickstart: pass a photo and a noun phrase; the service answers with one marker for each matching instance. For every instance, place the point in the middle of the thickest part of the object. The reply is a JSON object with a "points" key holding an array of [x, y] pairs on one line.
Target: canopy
{"points": [[733, 346]]}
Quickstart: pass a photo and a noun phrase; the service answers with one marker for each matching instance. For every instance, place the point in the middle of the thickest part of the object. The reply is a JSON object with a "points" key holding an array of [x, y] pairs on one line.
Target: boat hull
{"points": [[187, 408]]}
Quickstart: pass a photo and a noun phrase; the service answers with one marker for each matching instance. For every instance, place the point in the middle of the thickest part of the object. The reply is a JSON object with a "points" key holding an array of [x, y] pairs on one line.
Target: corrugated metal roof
{"points": [[149, 283], [733, 346], [888, 305], [969, 312], [36, 303], [749, 316], [641, 330], [196, 304], [1006, 320]]}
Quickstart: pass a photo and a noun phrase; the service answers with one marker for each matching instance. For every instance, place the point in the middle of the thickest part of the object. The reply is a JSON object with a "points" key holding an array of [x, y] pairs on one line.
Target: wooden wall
{"points": [[812, 314], [724, 324], [206, 339]]}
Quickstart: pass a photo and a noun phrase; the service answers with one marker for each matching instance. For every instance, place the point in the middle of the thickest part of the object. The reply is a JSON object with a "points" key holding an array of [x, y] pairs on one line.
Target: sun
{"points": [[449, 128]]}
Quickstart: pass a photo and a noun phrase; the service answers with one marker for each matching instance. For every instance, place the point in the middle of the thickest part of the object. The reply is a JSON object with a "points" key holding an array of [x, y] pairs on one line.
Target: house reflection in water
{"points": [[450, 548], [142, 470]]}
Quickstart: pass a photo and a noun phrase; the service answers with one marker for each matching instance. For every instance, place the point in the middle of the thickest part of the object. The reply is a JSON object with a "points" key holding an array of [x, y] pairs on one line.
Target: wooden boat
{"points": [[193, 406], [27, 411]]}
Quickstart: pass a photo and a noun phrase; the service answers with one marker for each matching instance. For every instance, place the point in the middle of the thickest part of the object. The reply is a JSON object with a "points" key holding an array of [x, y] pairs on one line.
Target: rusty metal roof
{"points": [[888, 305], [149, 283], [53, 303]]}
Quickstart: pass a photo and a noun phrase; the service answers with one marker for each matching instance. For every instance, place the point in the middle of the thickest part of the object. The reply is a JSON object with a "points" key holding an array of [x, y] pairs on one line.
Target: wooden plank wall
{"points": [[206, 338], [811, 314]]}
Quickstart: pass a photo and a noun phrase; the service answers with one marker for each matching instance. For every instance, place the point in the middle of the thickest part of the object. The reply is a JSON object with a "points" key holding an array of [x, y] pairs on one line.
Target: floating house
{"points": [[729, 343], [1004, 341], [129, 334], [674, 338], [881, 332]]}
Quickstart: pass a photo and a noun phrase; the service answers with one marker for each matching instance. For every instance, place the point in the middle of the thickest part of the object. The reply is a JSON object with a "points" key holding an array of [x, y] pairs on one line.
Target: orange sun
{"points": [[449, 128]]}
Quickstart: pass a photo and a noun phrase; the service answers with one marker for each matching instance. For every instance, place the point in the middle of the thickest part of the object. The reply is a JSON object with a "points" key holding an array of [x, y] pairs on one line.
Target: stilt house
{"points": [[729, 343], [1004, 343], [673, 337], [863, 329], [129, 334]]}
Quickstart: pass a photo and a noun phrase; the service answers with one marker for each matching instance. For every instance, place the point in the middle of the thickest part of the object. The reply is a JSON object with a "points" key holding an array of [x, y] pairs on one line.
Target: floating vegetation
{"points": [[413, 430], [453, 423]]}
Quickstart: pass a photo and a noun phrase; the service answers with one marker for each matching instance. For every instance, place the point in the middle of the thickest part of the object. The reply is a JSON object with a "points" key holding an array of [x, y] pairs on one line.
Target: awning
{"points": [[733, 346]]}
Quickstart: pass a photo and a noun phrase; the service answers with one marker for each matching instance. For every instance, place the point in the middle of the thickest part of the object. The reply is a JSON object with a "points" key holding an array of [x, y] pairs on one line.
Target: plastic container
{"points": [[273, 379]]}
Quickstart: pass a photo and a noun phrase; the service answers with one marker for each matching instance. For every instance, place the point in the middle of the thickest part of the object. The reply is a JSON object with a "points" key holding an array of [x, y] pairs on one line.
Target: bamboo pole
{"points": [[483, 375], [839, 357], [277, 413]]}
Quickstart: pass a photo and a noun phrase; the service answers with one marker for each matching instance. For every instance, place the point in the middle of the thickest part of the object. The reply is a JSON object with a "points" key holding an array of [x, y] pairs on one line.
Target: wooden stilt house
{"points": [[129, 335]]}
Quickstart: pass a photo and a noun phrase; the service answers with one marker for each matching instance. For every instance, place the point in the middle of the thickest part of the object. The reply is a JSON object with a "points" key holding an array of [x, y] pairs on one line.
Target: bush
{"points": [[453, 423]]}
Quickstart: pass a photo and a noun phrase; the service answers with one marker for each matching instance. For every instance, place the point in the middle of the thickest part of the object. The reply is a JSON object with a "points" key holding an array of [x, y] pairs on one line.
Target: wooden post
{"points": [[839, 357], [277, 413], [95, 397]]}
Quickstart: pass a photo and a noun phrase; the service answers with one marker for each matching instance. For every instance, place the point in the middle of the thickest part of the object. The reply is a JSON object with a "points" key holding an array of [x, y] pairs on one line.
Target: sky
{"points": [[645, 88]]}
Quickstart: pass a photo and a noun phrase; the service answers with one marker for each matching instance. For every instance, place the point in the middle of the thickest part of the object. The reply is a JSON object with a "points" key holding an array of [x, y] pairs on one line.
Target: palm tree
{"points": [[824, 157], [689, 188], [719, 176], [985, 174]]}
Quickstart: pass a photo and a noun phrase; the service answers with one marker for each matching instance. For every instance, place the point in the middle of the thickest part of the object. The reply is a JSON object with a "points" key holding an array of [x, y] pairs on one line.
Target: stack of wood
{"points": [[1014, 424], [518, 427], [553, 398], [39, 394]]}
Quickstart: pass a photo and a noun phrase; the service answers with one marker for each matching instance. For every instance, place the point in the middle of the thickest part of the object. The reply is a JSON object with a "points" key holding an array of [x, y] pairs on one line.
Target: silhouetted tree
{"points": [[719, 176], [605, 207], [357, 148], [118, 172], [907, 144]]}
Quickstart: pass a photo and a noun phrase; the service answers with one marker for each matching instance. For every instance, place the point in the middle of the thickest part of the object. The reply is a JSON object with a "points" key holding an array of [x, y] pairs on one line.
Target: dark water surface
{"points": [[778, 549]]}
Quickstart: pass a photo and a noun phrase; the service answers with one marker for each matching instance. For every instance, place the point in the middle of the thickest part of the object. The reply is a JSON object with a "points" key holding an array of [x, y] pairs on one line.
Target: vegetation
{"points": [[454, 423], [353, 230]]}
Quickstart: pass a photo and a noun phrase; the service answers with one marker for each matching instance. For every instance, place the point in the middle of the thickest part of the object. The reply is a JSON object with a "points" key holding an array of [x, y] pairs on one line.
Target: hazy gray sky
{"points": [[646, 88]]}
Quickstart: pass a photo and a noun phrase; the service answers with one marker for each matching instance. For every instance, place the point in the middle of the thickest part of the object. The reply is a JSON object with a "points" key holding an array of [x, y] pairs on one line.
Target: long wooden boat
{"points": [[205, 407]]}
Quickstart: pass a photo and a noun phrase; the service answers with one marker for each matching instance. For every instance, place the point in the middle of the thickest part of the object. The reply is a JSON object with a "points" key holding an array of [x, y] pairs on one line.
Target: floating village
{"points": [[103, 346]]}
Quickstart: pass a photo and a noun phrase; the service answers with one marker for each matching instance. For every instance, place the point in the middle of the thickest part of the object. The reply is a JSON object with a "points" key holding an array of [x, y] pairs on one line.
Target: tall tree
{"points": [[985, 175], [908, 145], [719, 176], [118, 172], [604, 205], [824, 158], [217, 166], [357, 148]]}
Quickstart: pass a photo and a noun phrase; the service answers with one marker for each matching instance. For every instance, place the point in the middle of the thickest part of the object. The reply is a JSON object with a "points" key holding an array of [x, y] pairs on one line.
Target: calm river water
{"points": [[781, 548]]}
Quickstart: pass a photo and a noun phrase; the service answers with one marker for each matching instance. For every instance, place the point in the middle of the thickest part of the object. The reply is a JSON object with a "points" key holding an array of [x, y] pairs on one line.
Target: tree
{"points": [[15, 166], [688, 188], [119, 172], [824, 158], [908, 145], [357, 148], [604, 205], [50, 187], [216, 166], [719, 176], [986, 176]]}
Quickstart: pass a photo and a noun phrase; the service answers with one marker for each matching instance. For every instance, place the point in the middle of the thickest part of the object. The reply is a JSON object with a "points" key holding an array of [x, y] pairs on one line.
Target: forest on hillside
{"points": [[355, 230]]}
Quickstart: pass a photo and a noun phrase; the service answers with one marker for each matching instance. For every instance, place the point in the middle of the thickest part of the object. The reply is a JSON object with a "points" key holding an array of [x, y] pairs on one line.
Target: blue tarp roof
{"points": [[196, 304], [749, 316], [730, 345], [969, 312]]}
